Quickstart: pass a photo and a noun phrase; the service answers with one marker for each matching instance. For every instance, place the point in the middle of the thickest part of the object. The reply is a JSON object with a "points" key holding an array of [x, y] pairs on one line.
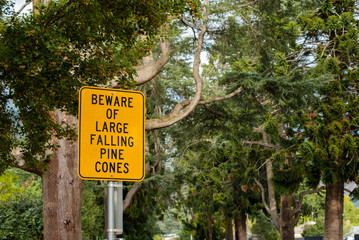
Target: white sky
{"points": [[19, 4]]}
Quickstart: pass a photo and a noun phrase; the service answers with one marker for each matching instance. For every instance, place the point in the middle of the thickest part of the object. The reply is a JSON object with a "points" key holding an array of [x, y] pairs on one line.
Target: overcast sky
{"points": [[18, 5]]}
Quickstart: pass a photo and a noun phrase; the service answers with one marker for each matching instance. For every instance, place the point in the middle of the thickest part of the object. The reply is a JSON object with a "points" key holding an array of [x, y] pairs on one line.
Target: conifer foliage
{"points": [[331, 127]]}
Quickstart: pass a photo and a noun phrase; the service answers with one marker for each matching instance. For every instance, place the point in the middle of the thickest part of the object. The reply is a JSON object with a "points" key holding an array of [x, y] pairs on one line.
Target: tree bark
{"points": [[240, 223], [229, 228], [287, 226], [271, 194], [62, 190], [333, 223], [209, 227]]}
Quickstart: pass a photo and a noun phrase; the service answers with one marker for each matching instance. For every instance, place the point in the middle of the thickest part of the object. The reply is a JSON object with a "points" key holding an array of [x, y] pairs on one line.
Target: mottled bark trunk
{"points": [[333, 223], [209, 227], [286, 221], [240, 223], [229, 228], [62, 191]]}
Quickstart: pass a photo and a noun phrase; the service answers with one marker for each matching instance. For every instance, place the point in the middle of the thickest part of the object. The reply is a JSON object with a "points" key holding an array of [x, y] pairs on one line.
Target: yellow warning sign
{"points": [[111, 141]]}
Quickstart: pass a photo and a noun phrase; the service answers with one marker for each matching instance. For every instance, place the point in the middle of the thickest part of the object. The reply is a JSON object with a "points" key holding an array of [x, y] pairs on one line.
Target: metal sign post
{"points": [[110, 211], [111, 144], [118, 208], [114, 210]]}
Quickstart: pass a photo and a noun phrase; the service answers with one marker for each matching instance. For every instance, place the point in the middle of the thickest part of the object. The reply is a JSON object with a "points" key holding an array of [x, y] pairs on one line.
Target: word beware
{"points": [[110, 100]]}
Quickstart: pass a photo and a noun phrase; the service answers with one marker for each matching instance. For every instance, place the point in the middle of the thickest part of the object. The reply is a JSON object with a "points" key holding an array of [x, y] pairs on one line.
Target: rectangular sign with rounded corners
{"points": [[111, 134]]}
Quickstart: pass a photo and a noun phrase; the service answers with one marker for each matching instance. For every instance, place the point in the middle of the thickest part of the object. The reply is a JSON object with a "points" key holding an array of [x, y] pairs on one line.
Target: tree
{"points": [[271, 72], [45, 58], [331, 125]]}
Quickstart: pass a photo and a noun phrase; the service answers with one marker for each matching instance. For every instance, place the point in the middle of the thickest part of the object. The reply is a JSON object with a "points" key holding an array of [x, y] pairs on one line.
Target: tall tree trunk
{"points": [[229, 228], [62, 190], [209, 227], [286, 221], [333, 223], [240, 223]]}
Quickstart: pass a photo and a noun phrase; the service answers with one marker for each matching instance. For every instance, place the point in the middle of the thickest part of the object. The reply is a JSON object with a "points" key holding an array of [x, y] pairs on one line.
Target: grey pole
{"points": [[119, 208], [110, 211]]}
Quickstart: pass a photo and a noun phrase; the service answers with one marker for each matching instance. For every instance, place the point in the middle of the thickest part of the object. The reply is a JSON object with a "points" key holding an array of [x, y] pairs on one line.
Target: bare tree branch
{"points": [[184, 103], [177, 116], [262, 144], [131, 195], [21, 164], [240, 89], [251, 27], [187, 21], [301, 196], [20, 10], [271, 194], [247, 4], [134, 190], [264, 201], [151, 68], [195, 142]]}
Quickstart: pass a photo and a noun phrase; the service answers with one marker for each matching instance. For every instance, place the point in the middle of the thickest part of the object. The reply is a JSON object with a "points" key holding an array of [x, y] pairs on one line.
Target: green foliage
{"points": [[288, 180], [197, 226], [21, 218], [264, 228], [313, 208], [314, 230], [92, 211], [46, 57], [271, 127], [8, 189], [350, 213], [157, 237], [332, 124], [141, 220], [20, 205]]}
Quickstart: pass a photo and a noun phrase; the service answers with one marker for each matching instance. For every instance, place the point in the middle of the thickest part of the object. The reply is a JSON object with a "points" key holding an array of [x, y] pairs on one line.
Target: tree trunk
{"points": [[62, 190], [209, 227], [229, 228], [271, 193], [240, 223], [333, 223], [287, 226]]}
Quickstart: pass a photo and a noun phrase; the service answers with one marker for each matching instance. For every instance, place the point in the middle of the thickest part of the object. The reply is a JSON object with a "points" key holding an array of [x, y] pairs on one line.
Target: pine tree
{"points": [[331, 127]]}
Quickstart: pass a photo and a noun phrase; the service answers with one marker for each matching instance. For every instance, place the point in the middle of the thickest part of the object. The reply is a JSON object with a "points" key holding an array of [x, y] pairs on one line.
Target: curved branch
{"points": [[240, 89], [134, 190], [190, 105], [301, 196], [194, 143], [20, 163], [175, 111], [20, 10], [264, 201], [131, 195], [151, 68]]}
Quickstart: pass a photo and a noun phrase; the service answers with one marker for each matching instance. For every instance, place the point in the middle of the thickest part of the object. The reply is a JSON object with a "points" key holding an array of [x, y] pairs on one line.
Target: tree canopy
{"points": [[269, 117]]}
